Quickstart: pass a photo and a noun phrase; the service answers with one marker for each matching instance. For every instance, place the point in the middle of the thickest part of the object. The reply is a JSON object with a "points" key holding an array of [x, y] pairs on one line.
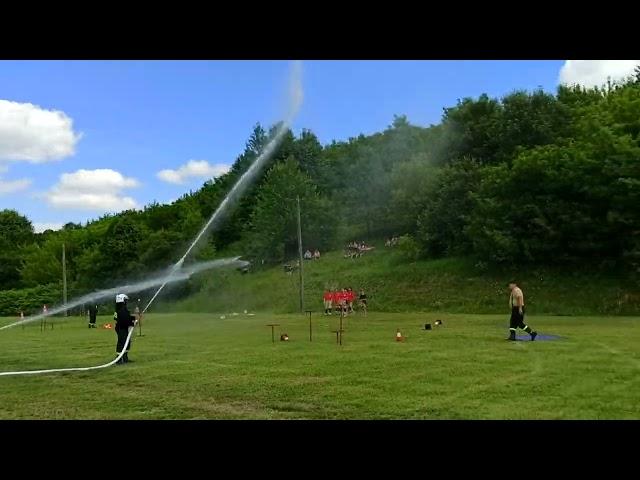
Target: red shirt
{"points": [[350, 295], [327, 296], [337, 296]]}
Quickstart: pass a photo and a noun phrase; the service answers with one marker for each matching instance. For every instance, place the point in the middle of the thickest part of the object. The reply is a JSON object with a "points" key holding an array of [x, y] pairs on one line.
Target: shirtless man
{"points": [[516, 302]]}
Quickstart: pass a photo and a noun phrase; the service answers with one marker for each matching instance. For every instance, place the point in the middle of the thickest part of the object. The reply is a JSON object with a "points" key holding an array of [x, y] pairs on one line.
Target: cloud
{"points": [[193, 169], [13, 186], [98, 190], [40, 227], [592, 73], [32, 134]]}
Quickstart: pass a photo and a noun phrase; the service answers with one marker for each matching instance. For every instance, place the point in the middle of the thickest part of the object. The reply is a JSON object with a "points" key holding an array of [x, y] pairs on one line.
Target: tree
{"points": [[529, 120], [15, 231], [230, 230], [412, 183], [561, 203], [448, 206], [119, 249], [471, 129], [42, 264], [308, 152], [367, 196], [273, 224]]}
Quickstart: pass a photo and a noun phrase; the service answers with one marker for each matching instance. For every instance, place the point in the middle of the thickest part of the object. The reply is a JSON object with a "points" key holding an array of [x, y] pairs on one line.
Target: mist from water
{"points": [[110, 293]]}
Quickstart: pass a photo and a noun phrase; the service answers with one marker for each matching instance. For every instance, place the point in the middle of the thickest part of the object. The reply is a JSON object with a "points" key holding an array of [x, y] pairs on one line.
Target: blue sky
{"points": [[125, 121]]}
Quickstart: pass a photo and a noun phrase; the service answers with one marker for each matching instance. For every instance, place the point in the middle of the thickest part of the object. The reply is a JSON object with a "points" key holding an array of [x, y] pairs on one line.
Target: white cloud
{"points": [[193, 169], [100, 190], [40, 227], [33, 134], [13, 186], [592, 73]]}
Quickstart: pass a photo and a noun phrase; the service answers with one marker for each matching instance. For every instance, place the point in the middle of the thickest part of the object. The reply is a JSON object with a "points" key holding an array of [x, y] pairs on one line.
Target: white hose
{"points": [[77, 369]]}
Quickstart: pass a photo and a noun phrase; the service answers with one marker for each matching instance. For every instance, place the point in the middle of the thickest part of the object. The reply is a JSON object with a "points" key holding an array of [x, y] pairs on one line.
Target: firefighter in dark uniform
{"points": [[124, 320], [93, 313]]}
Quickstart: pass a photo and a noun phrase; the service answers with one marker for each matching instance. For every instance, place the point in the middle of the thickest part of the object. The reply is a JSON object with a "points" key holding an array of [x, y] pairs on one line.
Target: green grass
{"points": [[199, 366], [395, 285]]}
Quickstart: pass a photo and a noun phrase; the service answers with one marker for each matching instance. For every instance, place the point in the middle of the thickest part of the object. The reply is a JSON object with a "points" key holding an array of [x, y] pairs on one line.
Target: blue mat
{"points": [[539, 338]]}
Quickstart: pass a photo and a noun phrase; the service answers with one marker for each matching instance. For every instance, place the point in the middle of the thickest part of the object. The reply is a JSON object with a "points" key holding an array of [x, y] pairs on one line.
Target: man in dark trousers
{"points": [[516, 302], [124, 320], [93, 313]]}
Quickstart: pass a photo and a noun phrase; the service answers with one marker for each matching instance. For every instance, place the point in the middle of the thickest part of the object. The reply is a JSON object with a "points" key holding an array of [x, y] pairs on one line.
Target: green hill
{"points": [[394, 284]]}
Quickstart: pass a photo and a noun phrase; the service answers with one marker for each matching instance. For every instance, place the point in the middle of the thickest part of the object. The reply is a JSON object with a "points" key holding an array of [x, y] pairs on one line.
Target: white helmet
{"points": [[121, 298]]}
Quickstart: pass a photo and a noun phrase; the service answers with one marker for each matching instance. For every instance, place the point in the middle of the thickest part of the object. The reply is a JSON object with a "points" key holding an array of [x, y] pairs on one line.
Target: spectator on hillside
{"points": [[316, 254], [307, 255], [353, 250]]}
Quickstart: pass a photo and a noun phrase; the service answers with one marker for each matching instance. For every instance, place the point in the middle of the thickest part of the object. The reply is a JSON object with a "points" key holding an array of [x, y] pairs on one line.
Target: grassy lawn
{"points": [[199, 366]]}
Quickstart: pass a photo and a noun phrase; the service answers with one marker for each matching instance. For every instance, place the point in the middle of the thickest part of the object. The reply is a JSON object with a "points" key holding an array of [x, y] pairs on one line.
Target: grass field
{"points": [[199, 366]]}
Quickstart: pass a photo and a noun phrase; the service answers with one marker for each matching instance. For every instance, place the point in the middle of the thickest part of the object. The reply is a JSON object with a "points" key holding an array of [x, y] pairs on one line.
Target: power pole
{"points": [[301, 260], [64, 280]]}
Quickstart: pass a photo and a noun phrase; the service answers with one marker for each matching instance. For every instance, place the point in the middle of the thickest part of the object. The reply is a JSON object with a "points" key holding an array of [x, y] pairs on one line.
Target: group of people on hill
{"points": [[308, 255], [342, 301], [356, 249], [391, 241]]}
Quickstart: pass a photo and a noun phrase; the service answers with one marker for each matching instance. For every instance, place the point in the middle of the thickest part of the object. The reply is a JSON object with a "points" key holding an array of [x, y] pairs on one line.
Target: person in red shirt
{"points": [[337, 300], [350, 297], [328, 300], [343, 300]]}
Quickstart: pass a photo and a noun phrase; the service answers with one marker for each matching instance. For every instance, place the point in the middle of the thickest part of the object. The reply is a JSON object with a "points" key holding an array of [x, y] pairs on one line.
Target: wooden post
{"points": [[300, 255]]}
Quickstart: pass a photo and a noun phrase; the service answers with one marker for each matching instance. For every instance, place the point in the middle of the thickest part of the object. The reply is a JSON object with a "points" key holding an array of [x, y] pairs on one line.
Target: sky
{"points": [[82, 138]]}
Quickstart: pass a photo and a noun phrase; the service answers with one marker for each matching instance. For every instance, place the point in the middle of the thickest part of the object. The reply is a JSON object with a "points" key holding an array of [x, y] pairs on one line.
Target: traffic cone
{"points": [[399, 337]]}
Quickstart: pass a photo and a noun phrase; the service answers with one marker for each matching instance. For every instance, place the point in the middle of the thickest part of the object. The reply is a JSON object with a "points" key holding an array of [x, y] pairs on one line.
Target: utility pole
{"points": [[301, 260], [64, 280]]}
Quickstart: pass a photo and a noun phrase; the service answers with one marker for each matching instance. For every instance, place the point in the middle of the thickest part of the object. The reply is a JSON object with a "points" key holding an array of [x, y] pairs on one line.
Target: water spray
{"points": [[177, 276], [176, 273], [295, 101]]}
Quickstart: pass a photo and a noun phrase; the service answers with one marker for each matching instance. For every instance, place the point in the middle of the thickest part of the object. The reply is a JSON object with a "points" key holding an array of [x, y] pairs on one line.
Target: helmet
{"points": [[121, 298]]}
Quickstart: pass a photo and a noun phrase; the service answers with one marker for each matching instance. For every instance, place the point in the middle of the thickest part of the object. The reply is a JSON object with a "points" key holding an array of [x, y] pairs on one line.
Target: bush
{"points": [[29, 300], [408, 248]]}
